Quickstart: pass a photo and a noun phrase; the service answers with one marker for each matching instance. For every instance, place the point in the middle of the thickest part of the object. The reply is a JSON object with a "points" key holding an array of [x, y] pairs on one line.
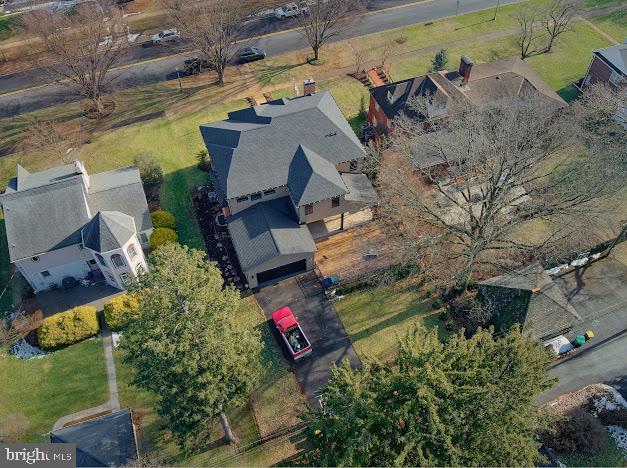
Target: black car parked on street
{"points": [[250, 54]]}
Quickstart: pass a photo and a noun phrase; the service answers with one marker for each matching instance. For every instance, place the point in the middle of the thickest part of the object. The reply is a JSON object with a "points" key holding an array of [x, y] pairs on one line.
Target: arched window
{"points": [[132, 251], [101, 260], [125, 278], [117, 260], [140, 270]]}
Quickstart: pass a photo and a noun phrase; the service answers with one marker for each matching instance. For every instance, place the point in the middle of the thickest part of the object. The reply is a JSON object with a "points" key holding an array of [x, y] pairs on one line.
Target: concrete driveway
{"points": [[598, 293], [330, 342]]}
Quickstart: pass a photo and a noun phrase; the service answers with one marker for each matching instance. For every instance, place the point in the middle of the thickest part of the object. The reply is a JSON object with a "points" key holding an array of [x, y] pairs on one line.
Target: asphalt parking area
{"points": [[330, 342], [598, 292]]}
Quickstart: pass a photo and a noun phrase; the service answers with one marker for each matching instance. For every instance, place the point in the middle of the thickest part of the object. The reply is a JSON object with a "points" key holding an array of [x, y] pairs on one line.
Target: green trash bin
{"points": [[580, 340]]}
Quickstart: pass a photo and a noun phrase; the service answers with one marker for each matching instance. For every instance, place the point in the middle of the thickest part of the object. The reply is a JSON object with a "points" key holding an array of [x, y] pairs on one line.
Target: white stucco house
{"points": [[63, 222]]}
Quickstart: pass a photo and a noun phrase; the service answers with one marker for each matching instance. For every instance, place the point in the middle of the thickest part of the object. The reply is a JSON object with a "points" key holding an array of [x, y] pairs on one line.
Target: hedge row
{"points": [[162, 236], [120, 311], [68, 327], [163, 219]]}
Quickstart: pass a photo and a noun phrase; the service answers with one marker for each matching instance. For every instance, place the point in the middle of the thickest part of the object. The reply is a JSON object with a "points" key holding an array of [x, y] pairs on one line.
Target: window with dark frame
{"points": [[101, 260], [335, 202], [354, 165], [269, 192], [309, 209], [117, 260], [35, 259], [241, 199], [45, 273], [143, 238], [256, 196]]}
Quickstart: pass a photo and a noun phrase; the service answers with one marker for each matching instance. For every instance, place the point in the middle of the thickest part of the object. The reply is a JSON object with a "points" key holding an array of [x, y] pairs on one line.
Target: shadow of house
{"points": [[530, 298]]}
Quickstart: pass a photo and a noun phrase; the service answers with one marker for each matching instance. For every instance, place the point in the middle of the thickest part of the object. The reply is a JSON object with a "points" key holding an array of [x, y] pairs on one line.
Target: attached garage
{"points": [[290, 269], [269, 243]]}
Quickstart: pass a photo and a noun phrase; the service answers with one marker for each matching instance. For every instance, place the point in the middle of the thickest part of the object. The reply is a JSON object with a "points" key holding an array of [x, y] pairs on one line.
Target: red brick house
{"points": [[472, 83], [609, 66]]}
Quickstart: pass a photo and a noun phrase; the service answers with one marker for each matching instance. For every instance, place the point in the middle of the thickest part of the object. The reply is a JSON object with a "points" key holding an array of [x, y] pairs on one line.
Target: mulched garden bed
{"points": [[216, 236]]}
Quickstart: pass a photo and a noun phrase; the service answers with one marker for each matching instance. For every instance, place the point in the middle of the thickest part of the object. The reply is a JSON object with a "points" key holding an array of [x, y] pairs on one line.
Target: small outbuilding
{"points": [[109, 440]]}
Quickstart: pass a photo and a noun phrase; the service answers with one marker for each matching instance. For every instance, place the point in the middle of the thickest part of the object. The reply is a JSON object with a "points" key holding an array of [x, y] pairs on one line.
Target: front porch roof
{"points": [[360, 189]]}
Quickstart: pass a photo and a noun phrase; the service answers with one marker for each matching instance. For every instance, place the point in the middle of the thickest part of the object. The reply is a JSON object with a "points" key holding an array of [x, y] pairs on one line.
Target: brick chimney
{"points": [[465, 67], [309, 87]]}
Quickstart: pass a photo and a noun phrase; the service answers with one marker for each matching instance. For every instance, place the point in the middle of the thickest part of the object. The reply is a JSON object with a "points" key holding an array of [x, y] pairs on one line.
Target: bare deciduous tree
{"points": [[326, 19], [213, 26], [468, 194], [527, 39], [557, 17], [81, 45]]}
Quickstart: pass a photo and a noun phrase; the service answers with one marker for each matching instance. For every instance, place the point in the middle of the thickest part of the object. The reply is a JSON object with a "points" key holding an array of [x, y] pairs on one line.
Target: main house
{"points": [[64, 223], [448, 91], [281, 170]]}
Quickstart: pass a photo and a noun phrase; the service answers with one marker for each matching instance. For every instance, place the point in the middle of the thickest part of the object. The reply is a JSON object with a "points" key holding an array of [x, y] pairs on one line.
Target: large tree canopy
{"points": [[465, 402], [188, 346], [464, 198]]}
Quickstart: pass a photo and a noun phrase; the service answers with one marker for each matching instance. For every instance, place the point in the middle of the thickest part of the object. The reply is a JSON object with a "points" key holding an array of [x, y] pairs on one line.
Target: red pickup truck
{"points": [[292, 334]]}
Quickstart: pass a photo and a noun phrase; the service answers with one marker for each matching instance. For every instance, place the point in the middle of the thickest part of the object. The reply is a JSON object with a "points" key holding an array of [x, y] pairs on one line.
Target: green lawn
{"points": [[615, 24], [43, 390], [610, 455], [374, 318], [277, 391]]}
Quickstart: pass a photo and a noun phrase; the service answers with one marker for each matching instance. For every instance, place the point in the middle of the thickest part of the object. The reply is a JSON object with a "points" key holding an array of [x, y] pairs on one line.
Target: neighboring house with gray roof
{"points": [[63, 222], [608, 66], [530, 298], [278, 168], [108, 440]]}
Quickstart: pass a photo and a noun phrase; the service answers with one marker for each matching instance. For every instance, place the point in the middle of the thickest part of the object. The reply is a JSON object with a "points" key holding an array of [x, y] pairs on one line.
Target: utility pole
{"points": [[457, 8], [178, 75], [498, 2]]}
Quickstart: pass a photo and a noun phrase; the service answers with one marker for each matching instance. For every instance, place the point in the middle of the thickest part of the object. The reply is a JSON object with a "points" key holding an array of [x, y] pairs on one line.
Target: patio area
{"points": [[354, 254], [60, 300]]}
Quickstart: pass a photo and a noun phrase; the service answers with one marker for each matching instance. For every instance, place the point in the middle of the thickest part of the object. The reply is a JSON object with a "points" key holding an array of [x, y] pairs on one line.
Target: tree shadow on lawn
{"points": [[267, 73], [421, 310]]}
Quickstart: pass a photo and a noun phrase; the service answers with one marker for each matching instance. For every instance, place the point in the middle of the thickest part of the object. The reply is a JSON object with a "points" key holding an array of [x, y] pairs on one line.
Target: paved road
{"points": [[599, 295], [321, 324], [163, 64]]}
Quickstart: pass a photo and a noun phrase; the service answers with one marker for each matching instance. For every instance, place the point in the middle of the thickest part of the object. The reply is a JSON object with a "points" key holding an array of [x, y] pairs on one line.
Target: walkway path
{"points": [[114, 402], [599, 30]]}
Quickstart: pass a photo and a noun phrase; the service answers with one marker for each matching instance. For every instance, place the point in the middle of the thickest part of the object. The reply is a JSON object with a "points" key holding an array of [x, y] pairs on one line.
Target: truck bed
{"points": [[296, 340]]}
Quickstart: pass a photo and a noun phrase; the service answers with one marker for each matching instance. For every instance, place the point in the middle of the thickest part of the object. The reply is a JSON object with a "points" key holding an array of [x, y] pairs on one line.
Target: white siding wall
{"points": [[237, 207], [112, 274], [60, 263], [323, 209]]}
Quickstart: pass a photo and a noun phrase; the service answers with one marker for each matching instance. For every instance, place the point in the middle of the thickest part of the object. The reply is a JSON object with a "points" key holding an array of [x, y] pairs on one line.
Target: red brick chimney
{"points": [[309, 87], [465, 67]]}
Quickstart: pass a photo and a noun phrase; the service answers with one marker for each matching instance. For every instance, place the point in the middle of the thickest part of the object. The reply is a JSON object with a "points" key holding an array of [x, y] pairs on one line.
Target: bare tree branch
{"points": [[83, 44], [326, 19]]}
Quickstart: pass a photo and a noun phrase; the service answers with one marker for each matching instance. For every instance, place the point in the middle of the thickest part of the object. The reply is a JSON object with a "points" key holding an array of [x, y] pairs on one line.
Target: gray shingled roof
{"points": [[44, 218], [529, 297], [312, 178], [267, 230], [108, 230], [616, 56], [489, 82], [360, 189], [46, 210], [105, 441], [253, 149]]}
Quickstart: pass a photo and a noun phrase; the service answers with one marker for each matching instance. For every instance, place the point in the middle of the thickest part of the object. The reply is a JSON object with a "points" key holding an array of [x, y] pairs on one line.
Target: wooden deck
{"points": [[354, 253]]}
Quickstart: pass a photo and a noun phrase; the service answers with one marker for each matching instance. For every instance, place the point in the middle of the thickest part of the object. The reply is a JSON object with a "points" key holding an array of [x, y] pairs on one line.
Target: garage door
{"points": [[285, 270]]}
